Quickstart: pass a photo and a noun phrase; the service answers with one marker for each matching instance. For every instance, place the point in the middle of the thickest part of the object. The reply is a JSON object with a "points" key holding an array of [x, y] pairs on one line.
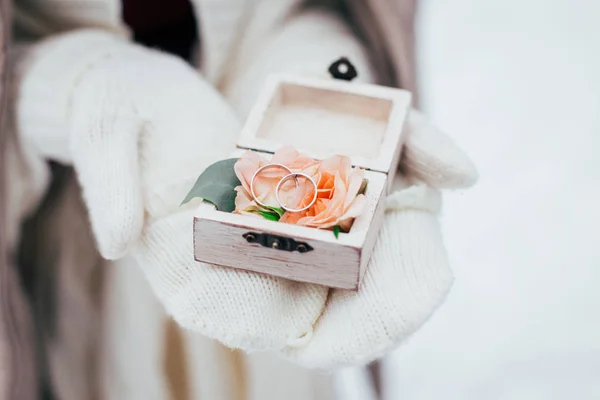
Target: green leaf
{"points": [[363, 186], [216, 185], [336, 231], [268, 215], [276, 210]]}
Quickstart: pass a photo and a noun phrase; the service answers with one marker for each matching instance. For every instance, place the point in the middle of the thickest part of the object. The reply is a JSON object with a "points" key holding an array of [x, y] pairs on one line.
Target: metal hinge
{"points": [[277, 242]]}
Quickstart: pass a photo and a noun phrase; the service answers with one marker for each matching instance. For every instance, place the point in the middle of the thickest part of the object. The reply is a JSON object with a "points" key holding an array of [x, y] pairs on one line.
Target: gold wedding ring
{"points": [[295, 175], [258, 171]]}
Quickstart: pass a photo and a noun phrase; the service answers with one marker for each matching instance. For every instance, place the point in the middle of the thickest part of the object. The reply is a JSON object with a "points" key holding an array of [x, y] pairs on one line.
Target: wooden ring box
{"points": [[320, 118]]}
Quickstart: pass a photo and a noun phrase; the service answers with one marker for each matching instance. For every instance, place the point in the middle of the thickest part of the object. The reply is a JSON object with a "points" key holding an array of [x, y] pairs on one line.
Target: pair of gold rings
{"points": [[290, 175]]}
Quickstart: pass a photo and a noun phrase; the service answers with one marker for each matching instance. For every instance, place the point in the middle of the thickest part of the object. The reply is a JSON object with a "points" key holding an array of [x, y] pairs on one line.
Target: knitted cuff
{"points": [[44, 77]]}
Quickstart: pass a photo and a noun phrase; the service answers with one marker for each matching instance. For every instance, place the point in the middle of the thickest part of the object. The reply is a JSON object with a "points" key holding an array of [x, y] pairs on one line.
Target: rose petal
{"points": [[244, 204], [338, 183], [357, 207], [246, 166], [242, 199], [293, 159], [335, 207], [355, 180], [264, 189], [341, 164]]}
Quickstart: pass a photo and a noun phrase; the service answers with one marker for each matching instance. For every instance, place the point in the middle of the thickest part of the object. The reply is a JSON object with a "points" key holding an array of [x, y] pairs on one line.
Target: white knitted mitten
{"points": [[142, 125], [408, 276], [139, 127]]}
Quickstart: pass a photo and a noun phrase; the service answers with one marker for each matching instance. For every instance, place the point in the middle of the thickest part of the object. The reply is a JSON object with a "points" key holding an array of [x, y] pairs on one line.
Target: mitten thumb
{"points": [[432, 156], [104, 146]]}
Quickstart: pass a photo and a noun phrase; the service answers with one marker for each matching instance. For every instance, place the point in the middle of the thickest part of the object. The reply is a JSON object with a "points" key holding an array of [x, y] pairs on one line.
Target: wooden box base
{"points": [[221, 238], [320, 118]]}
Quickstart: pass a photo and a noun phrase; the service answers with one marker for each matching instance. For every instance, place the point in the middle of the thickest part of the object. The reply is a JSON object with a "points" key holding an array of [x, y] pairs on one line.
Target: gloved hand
{"points": [[139, 126], [408, 276]]}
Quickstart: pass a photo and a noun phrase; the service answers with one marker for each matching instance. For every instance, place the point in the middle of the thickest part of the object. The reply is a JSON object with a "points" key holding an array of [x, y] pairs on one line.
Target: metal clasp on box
{"points": [[277, 242]]}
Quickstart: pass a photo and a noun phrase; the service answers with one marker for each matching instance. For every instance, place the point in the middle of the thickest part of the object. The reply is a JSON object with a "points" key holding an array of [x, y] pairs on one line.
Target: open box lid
{"points": [[324, 117]]}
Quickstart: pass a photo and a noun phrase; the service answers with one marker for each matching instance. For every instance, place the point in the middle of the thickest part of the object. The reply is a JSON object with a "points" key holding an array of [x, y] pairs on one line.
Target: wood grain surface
{"points": [[320, 118]]}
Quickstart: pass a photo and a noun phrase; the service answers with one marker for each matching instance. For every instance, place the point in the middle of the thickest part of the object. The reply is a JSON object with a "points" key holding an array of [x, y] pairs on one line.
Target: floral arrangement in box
{"points": [[290, 187]]}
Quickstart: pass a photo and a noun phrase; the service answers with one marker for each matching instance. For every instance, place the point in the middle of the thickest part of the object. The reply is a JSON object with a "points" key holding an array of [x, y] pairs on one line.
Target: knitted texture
{"points": [[141, 125], [432, 156], [241, 309], [136, 157], [408, 276], [44, 78]]}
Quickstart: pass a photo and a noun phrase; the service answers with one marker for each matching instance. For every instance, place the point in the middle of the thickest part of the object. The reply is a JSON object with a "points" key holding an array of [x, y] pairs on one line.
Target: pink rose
{"points": [[266, 181], [338, 199]]}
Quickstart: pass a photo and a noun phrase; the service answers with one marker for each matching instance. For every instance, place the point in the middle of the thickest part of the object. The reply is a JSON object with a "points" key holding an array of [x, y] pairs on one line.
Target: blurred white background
{"points": [[517, 83]]}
